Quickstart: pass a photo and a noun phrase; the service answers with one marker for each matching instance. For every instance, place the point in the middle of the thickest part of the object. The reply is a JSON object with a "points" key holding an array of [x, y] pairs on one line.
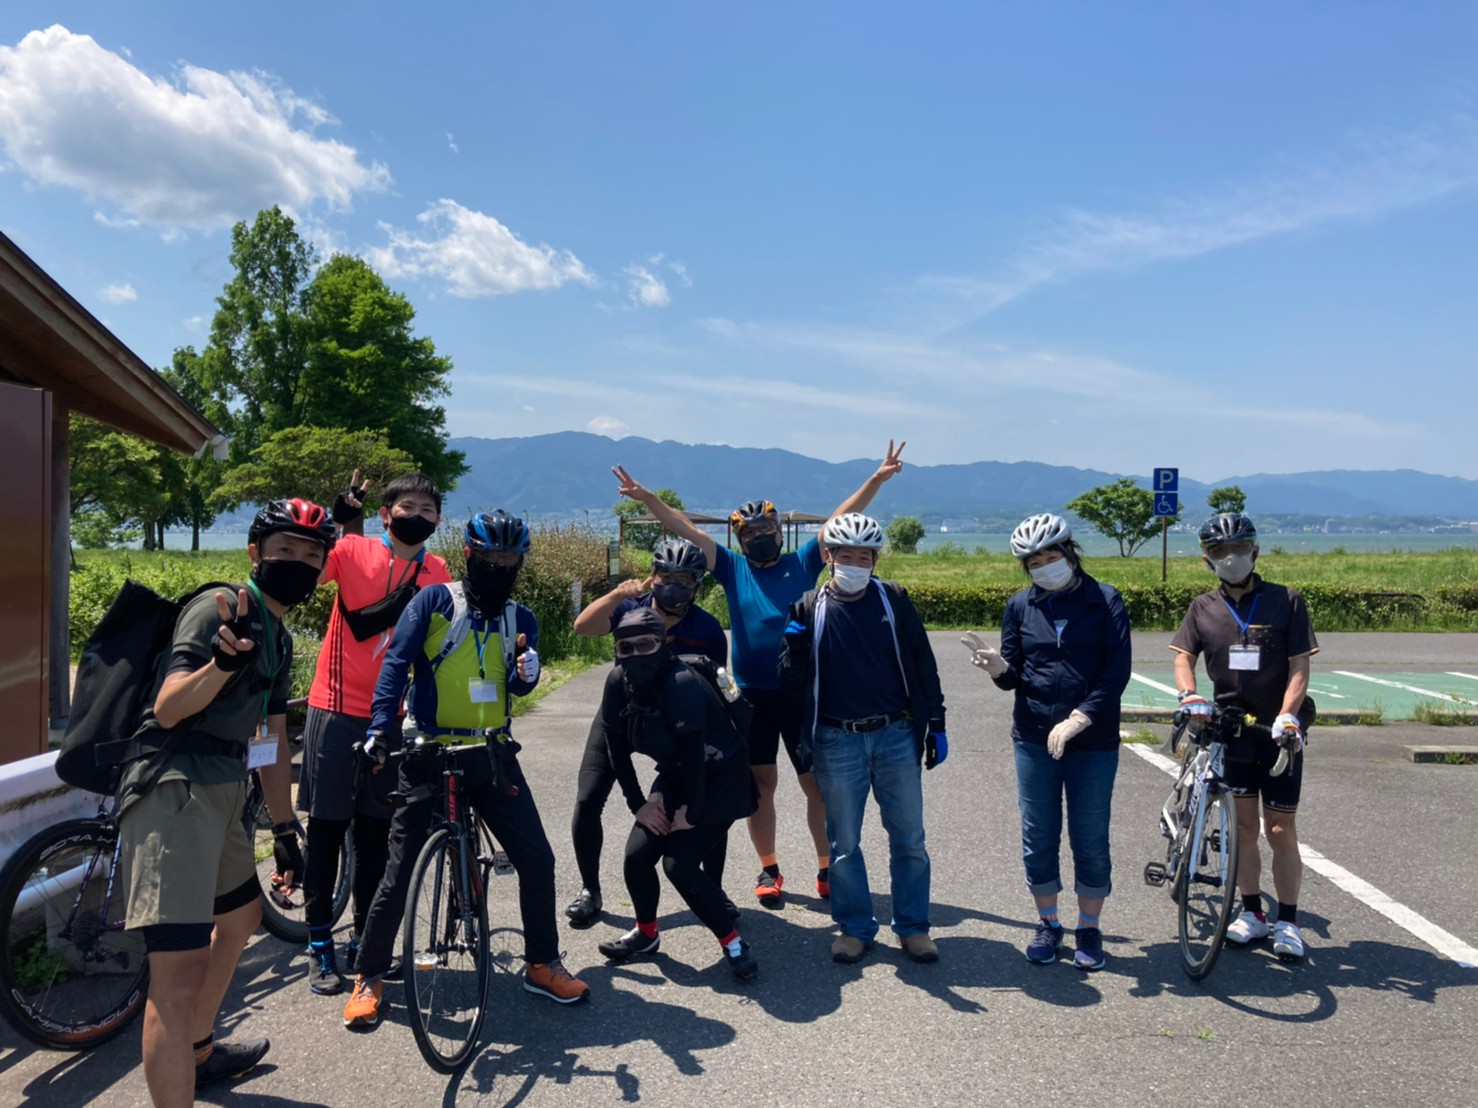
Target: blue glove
{"points": [[936, 749]]}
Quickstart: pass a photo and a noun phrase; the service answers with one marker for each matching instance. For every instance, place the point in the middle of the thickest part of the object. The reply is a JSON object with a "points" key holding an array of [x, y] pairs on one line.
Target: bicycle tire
{"points": [[445, 955], [70, 976], [1208, 880], [289, 921]]}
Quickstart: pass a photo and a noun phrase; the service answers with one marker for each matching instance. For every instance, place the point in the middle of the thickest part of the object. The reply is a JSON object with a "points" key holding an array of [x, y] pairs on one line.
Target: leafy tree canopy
{"points": [[314, 463], [904, 534], [1122, 511]]}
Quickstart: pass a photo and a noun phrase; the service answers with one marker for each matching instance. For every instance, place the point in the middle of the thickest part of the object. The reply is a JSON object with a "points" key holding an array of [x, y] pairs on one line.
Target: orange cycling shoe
{"points": [[363, 1009], [767, 888], [551, 979]]}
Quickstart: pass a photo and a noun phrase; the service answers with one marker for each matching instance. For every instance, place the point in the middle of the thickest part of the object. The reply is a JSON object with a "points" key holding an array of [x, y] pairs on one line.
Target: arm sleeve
{"points": [[1301, 639], [923, 661], [1187, 639], [405, 646], [331, 565], [618, 741], [193, 631], [810, 558], [1011, 647], [526, 624], [1118, 659], [723, 567]]}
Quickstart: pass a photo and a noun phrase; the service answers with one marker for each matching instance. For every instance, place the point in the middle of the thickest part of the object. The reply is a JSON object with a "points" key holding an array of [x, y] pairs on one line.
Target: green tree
{"points": [[314, 463], [1228, 498], [118, 483], [644, 536], [1123, 511], [366, 369], [904, 534], [201, 476]]}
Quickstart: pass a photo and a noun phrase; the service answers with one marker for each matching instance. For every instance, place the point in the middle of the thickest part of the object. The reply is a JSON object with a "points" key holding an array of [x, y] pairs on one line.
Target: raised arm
{"points": [[594, 619], [666, 515], [859, 500]]}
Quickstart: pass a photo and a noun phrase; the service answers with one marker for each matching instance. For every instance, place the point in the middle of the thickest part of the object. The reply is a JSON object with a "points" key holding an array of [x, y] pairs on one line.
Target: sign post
{"points": [[1167, 507]]}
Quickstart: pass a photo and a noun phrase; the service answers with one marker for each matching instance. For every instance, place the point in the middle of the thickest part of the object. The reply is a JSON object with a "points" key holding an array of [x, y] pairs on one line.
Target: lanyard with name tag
{"points": [[482, 692], [262, 749], [1243, 657]]}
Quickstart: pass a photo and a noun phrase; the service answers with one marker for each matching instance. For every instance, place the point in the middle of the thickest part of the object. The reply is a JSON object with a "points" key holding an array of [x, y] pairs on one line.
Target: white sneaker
{"points": [[1288, 941], [1247, 927]]}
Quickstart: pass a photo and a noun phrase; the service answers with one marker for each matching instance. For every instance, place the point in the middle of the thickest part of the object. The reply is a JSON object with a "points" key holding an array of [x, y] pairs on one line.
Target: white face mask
{"points": [[1053, 576], [850, 579], [1233, 568]]}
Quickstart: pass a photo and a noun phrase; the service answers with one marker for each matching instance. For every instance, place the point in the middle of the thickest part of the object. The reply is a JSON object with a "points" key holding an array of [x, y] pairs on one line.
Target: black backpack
{"points": [[740, 710], [115, 681]]}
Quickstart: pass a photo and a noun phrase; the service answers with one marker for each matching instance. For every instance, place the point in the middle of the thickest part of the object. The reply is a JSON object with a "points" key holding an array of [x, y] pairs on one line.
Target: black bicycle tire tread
{"points": [[12, 876], [1218, 795]]}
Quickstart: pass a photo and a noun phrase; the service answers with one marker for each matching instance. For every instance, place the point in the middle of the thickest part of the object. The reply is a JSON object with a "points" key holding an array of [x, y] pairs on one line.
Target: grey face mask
{"points": [[1233, 568]]}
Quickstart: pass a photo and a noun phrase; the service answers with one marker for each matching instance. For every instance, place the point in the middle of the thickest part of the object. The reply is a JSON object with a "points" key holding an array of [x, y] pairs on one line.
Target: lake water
{"points": [[1094, 546]]}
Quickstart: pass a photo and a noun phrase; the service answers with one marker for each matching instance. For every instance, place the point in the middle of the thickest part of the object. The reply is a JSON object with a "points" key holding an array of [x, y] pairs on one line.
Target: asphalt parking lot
{"points": [[1376, 1012]]}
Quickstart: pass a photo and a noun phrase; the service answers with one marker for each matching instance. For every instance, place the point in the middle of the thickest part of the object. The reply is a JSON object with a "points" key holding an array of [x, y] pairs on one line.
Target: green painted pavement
{"points": [[1395, 694]]}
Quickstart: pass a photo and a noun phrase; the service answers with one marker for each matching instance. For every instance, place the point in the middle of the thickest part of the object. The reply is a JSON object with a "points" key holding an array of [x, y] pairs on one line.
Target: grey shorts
{"points": [[183, 846], [334, 784]]}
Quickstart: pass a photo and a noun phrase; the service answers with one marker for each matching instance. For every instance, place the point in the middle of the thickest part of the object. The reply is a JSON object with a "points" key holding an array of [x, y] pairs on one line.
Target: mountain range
{"points": [[569, 473]]}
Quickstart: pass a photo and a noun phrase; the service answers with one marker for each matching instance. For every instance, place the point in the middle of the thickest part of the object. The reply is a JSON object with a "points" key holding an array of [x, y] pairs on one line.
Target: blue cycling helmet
{"points": [[498, 532]]}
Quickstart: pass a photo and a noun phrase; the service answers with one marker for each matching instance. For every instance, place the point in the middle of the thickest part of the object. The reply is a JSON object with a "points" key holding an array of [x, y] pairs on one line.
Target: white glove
{"points": [[1064, 732], [1284, 724], [529, 662], [1196, 706], [984, 655]]}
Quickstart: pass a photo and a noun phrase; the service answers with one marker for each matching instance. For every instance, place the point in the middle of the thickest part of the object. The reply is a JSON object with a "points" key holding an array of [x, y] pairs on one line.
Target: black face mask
{"points": [[287, 582], [673, 598], [644, 673], [488, 587], [762, 548], [412, 530]]}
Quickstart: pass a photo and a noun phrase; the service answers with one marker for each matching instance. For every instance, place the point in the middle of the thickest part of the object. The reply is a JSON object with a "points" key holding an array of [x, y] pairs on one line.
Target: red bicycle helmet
{"points": [[293, 517]]}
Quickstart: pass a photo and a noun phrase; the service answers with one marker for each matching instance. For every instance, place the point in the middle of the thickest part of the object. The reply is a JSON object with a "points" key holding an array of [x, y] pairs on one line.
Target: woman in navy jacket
{"points": [[1065, 652]]}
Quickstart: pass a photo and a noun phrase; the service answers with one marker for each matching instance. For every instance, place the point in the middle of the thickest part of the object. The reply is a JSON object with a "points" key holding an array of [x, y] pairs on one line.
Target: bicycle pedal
{"points": [[1155, 874], [501, 864]]}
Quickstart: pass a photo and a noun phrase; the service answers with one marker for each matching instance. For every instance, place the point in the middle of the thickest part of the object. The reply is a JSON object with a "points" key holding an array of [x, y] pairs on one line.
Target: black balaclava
{"points": [[487, 586], [644, 672]]}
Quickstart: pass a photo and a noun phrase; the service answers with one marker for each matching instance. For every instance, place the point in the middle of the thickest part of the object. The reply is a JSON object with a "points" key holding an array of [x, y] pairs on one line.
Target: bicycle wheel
{"points": [[1208, 882], [285, 916], [70, 976], [445, 955]]}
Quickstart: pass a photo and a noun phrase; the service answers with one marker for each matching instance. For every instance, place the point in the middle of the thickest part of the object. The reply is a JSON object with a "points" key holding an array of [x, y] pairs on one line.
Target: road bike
{"points": [[1199, 820], [71, 974], [446, 939]]}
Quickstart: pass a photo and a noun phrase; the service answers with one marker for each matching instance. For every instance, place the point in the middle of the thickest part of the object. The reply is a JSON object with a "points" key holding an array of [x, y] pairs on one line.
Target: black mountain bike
{"points": [[1199, 819], [71, 976], [446, 950]]}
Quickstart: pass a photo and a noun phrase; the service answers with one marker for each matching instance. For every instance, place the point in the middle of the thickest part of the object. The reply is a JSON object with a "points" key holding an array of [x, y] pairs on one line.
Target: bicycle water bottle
{"points": [[726, 685]]}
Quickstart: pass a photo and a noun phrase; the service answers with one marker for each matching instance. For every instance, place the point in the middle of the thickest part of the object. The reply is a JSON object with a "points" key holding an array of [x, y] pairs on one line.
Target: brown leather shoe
{"points": [[920, 947], [848, 949]]}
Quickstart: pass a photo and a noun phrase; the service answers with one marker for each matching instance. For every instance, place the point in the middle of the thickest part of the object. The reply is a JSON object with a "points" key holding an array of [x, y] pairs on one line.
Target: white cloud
{"points": [[194, 152], [451, 143], [609, 426], [1379, 173], [474, 255], [118, 294], [644, 288], [195, 323], [682, 273]]}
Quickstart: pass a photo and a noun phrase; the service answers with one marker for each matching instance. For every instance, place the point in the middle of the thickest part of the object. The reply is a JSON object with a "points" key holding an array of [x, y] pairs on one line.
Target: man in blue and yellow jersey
{"points": [[469, 648]]}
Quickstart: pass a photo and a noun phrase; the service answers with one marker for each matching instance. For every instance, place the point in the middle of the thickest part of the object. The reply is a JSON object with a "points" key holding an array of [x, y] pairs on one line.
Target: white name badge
{"points": [[1244, 657], [482, 692], [262, 750]]}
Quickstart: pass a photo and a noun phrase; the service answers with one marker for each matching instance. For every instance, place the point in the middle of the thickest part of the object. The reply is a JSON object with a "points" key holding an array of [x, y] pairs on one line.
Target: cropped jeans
{"points": [[1085, 778], [885, 763]]}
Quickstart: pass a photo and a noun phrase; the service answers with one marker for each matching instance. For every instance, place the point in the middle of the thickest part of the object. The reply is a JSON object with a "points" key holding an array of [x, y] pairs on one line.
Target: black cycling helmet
{"points": [[1227, 527], [674, 555], [293, 517], [754, 510], [497, 532]]}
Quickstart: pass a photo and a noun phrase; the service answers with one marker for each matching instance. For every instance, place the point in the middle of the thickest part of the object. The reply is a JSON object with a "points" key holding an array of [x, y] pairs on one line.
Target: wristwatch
{"points": [[1183, 693]]}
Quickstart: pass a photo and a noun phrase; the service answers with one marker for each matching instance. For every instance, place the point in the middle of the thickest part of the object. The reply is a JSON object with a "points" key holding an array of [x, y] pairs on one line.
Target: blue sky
{"points": [[1232, 238]]}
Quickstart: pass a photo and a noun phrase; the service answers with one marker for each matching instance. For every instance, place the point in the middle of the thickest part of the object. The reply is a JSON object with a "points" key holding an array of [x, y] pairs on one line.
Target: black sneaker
{"points": [[230, 1060], [396, 972], [584, 909], [633, 942], [742, 965], [323, 970]]}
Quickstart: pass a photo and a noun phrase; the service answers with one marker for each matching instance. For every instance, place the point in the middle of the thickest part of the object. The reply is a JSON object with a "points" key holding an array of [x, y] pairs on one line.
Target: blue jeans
{"points": [[885, 762], [1086, 778]]}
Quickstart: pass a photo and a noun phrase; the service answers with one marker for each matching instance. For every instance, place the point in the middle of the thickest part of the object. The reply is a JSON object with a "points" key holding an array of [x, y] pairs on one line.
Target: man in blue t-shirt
{"points": [[671, 591], [760, 587]]}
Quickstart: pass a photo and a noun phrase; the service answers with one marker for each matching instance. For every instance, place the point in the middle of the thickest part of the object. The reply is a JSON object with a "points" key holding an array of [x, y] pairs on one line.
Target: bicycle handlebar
{"points": [[1230, 725]]}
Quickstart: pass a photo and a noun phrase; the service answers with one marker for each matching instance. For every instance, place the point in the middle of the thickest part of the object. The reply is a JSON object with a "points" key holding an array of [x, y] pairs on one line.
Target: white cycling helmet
{"points": [[1037, 533], [853, 529]]}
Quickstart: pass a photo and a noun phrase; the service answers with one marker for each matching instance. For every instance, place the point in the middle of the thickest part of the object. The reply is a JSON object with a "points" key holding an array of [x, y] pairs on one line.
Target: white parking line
{"points": [[1322, 691], [1155, 685], [1407, 688], [1443, 942]]}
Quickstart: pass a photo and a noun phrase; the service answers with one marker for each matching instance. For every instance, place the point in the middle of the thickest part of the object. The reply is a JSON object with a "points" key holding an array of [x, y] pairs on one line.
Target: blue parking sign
{"points": [[1167, 480], [1166, 504]]}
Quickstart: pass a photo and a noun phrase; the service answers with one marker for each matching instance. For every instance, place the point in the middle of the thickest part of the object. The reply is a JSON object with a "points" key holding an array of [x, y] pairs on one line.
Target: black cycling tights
{"points": [[371, 848]]}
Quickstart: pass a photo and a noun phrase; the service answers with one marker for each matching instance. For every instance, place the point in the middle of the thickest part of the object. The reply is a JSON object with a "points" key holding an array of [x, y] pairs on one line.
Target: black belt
{"points": [[867, 723]]}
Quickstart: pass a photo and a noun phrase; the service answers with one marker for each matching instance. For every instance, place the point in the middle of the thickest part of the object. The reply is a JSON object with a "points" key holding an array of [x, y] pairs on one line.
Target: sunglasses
{"points": [[641, 644]]}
